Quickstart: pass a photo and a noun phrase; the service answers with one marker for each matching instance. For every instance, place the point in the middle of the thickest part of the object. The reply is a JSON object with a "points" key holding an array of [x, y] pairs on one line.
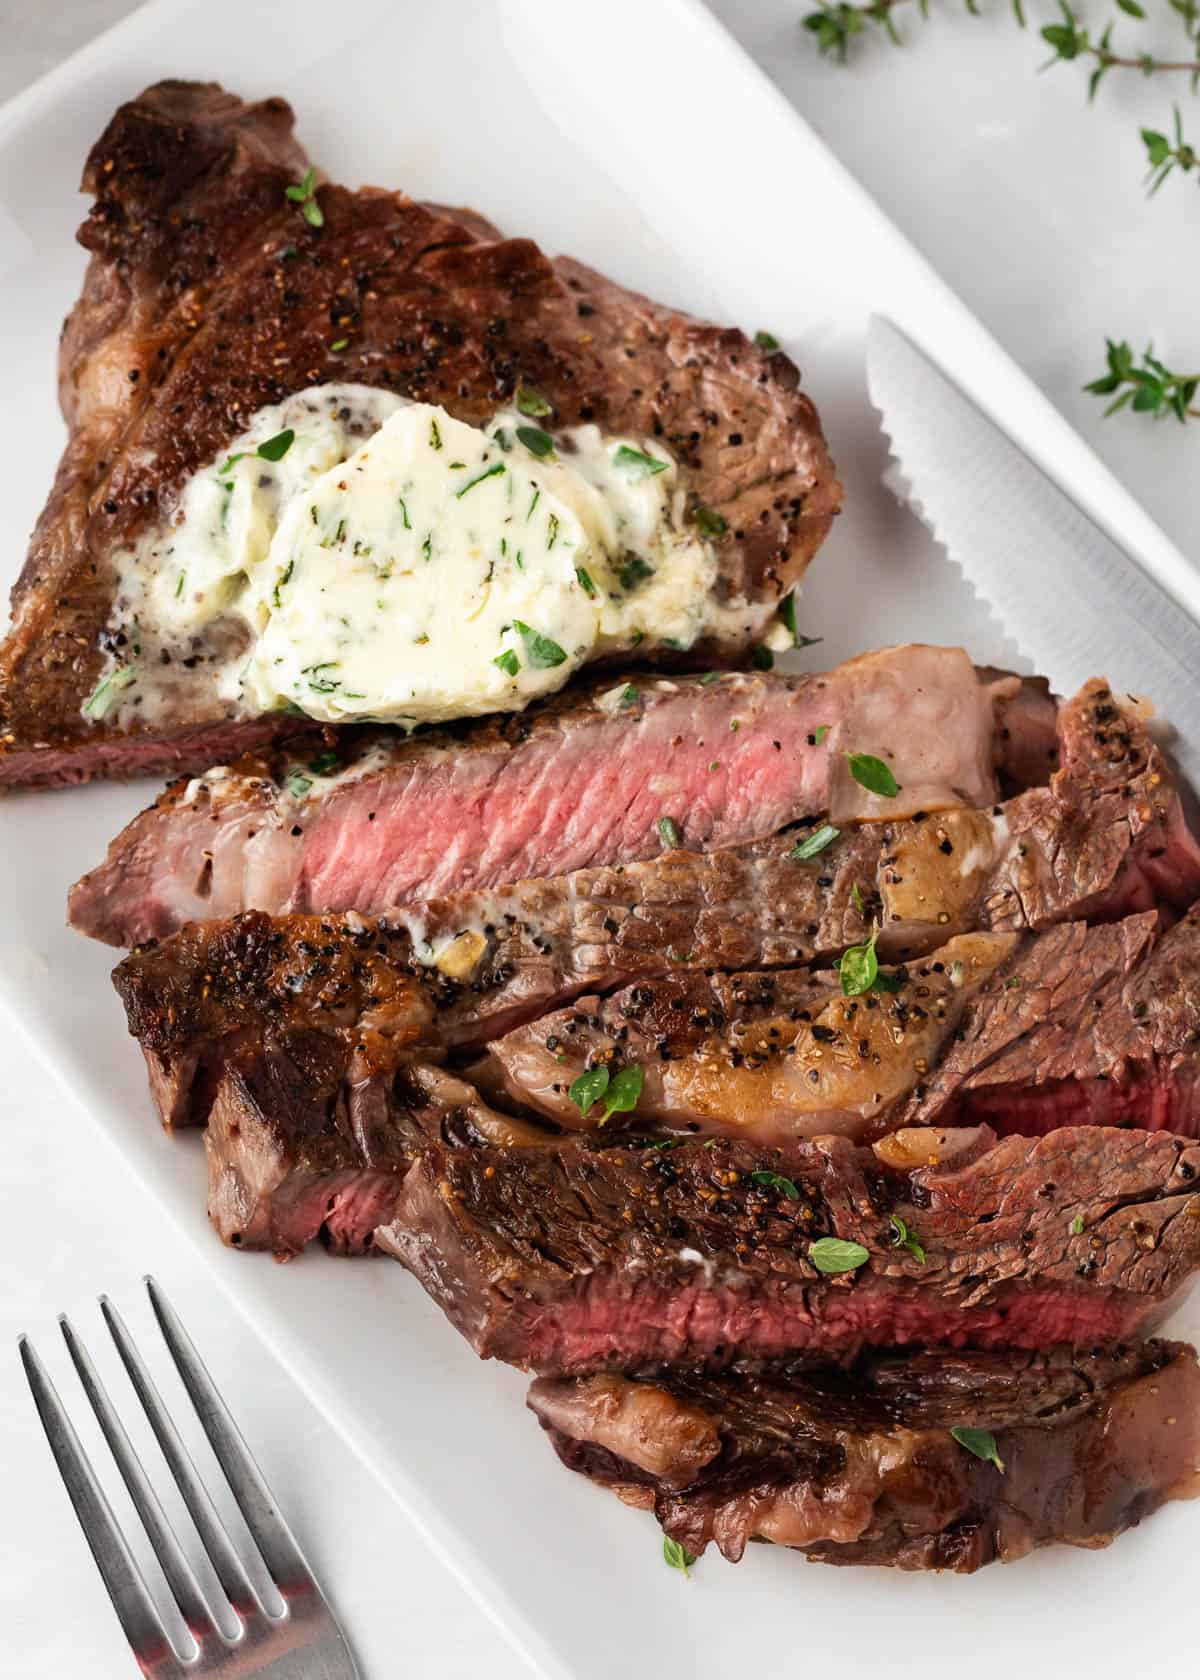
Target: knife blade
{"points": [[1073, 601]]}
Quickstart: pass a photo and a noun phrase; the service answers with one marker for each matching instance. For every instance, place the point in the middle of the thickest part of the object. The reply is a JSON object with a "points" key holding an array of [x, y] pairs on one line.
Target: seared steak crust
{"points": [[861, 1467], [1077, 1025], [569, 1258], [208, 295], [1091, 1032]]}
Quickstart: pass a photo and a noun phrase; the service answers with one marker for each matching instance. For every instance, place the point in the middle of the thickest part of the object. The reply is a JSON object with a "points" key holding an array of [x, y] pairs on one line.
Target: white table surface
{"points": [[1031, 206]]}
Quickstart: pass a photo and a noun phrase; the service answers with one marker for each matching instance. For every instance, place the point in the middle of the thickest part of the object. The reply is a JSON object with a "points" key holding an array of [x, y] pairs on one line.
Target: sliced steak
{"points": [[583, 781], [1079, 1041], [1077, 1025], [295, 1154], [765, 1055], [567, 1259], [1074, 1025], [494, 958], [192, 235], [861, 1466]]}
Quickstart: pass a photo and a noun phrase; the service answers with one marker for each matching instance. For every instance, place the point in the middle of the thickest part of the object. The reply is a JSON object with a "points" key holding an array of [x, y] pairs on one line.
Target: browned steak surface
{"points": [[209, 295], [861, 1466], [572, 1258], [1076, 1025], [1088, 1034], [588, 779]]}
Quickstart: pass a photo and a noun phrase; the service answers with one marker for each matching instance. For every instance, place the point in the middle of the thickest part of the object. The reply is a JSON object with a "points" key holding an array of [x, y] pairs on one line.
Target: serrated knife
{"points": [[1071, 599]]}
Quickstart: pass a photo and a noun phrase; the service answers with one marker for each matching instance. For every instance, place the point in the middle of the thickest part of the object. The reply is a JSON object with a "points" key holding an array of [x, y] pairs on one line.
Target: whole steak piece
{"points": [[863, 1467], [209, 296]]}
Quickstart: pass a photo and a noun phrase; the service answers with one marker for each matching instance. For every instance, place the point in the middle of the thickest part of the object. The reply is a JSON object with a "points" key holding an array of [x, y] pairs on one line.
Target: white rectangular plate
{"points": [[637, 137]]}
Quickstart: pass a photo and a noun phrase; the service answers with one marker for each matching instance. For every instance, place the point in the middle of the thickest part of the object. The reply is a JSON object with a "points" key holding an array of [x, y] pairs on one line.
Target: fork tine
{"points": [[274, 1539], [118, 1569], [203, 1512], [171, 1557]]}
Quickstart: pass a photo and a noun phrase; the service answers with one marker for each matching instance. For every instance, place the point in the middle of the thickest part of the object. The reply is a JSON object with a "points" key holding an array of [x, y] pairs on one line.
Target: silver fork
{"points": [[298, 1639]]}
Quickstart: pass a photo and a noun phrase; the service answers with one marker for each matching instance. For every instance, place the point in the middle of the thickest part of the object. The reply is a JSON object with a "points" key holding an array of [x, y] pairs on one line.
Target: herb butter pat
{"points": [[357, 555], [395, 581]]}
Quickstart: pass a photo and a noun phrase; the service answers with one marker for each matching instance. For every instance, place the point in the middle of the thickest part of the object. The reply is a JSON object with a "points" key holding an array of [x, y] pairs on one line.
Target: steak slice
{"points": [[770, 1056], [208, 295], [1079, 1042], [249, 1019], [293, 1155], [567, 1259], [861, 1466], [1074, 1025], [582, 781]]}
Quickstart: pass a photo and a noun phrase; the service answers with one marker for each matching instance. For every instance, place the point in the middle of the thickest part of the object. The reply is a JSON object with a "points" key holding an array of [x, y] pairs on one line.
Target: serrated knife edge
{"points": [[1070, 598]]}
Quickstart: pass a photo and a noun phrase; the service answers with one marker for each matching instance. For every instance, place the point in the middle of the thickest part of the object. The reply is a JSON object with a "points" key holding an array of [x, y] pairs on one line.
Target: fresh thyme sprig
{"points": [[1163, 157], [1148, 388], [304, 194], [836, 22]]}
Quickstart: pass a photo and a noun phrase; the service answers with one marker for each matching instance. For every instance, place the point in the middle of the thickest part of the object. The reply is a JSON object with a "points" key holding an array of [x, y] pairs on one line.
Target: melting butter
{"points": [[354, 555]]}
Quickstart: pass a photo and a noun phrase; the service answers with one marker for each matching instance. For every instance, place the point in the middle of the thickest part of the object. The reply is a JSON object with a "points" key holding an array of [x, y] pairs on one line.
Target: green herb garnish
{"points": [[1149, 388], [339, 344], [619, 1094], [623, 1093], [873, 774], [634, 571], [325, 763], [542, 650], [304, 193], [668, 832], [859, 967], [404, 512], [1162, 156], [585, 581], [532, 402], [298, 784], [636, 463], [435, 435], [508, 662], [104, 696], [831, 1255], [629, 696], [709, 678], [677, 1556], [904, 1238], [819, 734], [815, 843], [711, 522], [537, 442], [766, 340], [761, 657], [322, 685], [587, 1090], [275, 448], [488, 472], [774, 1181], [856, 899], [1077, 1225], [787, 615], [981, 1442]]}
